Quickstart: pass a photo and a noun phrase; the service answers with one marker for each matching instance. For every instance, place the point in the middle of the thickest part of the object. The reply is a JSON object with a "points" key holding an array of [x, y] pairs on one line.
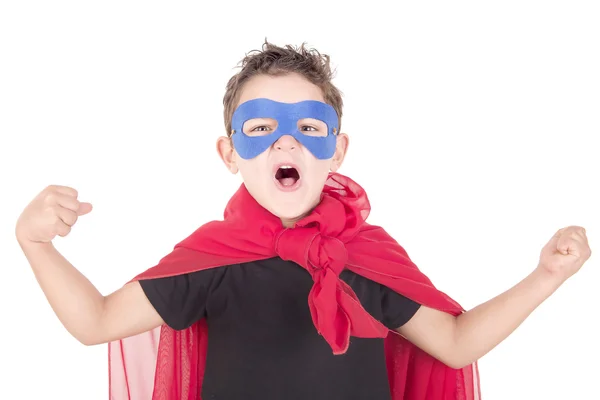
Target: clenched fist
{"points": [[52, 212], [566, 252]]}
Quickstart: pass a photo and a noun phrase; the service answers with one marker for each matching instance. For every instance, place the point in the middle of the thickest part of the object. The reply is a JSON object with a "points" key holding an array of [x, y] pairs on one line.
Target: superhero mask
{"points": [[287, 116]]}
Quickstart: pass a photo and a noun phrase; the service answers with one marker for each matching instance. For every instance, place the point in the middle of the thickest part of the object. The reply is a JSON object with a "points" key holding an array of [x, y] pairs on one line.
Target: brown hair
{"points": [[274, 60]]}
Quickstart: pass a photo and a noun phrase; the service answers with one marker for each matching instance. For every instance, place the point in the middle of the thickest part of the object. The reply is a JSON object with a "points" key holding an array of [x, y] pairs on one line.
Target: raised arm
{"points": [[460, 341], [88, 315]]}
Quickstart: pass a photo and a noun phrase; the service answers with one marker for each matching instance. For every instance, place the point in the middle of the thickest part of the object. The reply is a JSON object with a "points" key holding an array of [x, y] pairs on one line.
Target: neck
{"points": [[289, 222]]}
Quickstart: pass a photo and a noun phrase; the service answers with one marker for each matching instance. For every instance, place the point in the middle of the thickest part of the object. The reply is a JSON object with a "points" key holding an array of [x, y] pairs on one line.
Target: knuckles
{"points": [[56, 189], [50, 197]]}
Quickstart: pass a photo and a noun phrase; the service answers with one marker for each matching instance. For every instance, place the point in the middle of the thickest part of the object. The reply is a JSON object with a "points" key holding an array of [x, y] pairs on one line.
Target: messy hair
{"points": [[275, 61]]}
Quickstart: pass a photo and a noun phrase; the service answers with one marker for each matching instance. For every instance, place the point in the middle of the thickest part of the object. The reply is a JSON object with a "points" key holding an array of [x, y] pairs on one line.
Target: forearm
{"points": [[74, 299], [458, 341], [481, 329]]}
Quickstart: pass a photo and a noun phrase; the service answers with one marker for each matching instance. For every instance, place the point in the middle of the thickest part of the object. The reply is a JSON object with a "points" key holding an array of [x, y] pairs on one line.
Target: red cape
{"points": [[164, 364]]}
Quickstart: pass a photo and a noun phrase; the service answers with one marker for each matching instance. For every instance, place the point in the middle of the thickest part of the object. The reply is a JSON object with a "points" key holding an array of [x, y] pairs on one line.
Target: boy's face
{"points": [[289, 194]]}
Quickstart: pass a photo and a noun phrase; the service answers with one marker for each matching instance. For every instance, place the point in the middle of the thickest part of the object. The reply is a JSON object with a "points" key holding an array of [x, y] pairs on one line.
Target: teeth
{"points": [[285, 167]]}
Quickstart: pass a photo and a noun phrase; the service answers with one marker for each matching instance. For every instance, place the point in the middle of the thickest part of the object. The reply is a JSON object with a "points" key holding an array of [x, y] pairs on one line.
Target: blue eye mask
{"points": [[287, 116]]}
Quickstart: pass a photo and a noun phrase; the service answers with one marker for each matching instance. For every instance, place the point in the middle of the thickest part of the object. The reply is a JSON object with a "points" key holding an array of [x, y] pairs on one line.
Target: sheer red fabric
{"points": [[165, 364]]}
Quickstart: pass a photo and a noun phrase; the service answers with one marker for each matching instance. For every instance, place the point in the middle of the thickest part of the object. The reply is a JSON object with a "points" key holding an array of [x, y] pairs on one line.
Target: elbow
{"points": [[87, 342], [457, 361], [453, 355], [93, 333], [458, 364], [91, 340], [88, 338], [457, 356]]}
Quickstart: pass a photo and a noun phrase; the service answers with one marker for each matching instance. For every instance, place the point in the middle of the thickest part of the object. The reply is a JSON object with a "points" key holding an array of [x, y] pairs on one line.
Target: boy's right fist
{"points": [[52, 212]]}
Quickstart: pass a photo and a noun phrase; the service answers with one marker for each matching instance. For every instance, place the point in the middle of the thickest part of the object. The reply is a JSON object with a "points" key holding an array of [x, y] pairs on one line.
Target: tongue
{"points": [[287, 181]]}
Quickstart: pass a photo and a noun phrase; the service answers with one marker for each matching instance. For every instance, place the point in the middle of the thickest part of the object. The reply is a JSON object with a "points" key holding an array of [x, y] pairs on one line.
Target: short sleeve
{"points": [[397, 309], [180, 300]]}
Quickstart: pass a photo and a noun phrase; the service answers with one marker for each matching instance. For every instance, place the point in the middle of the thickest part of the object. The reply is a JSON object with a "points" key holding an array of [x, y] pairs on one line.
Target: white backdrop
{"points": [[474, 128]]}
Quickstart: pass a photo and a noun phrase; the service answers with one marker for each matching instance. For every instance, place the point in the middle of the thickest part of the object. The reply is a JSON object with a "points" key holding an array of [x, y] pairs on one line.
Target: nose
{"points": [[286, 143]]}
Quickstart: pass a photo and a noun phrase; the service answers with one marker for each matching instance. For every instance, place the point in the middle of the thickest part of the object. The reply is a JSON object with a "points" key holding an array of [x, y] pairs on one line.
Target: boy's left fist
{"points": [[566, 252]]}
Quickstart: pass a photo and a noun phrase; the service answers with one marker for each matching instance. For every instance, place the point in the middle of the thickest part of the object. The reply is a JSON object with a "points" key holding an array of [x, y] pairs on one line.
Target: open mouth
{"points": [[287, 176]]}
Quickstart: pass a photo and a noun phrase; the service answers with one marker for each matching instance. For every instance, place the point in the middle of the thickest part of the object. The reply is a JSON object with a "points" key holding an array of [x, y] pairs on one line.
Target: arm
{"points": [[89, 316], [460, 341], [86, 314]]}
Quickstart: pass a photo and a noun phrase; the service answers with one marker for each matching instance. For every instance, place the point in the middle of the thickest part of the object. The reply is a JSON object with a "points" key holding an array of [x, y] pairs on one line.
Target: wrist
{"points": [[28, 245], [547, 280]]}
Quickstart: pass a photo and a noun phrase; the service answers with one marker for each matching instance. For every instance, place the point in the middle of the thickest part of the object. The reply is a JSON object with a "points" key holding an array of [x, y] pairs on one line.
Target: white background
{"points": [[474, 129]]}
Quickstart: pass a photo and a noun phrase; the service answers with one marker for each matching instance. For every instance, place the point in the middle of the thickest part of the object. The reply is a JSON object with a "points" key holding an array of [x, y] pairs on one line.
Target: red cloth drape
{"points": [[165, 364]]}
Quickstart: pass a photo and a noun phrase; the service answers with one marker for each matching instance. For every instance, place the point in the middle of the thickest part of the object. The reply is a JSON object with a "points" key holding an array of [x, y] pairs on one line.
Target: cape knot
{"points": [[327, 252], [313, 251]]}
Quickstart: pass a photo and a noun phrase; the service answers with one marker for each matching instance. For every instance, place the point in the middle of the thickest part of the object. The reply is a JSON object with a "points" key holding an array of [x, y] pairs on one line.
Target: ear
{"points": [[341, 148], [225, 150]]}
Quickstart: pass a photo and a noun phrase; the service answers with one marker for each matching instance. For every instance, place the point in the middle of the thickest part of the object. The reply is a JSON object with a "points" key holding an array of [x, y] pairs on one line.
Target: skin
{"points": [[257, 173], [93, 318]]}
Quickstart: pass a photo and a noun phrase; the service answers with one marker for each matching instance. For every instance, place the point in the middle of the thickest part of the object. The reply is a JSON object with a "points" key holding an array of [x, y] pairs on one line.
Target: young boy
{"points": [[293, 295]]}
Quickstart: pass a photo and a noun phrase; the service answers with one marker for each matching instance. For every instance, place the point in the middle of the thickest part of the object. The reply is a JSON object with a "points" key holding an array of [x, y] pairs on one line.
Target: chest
{"points": [[274, 293]]}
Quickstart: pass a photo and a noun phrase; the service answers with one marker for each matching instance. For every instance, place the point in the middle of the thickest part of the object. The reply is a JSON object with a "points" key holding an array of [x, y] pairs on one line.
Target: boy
{"points": [[294, 231]]}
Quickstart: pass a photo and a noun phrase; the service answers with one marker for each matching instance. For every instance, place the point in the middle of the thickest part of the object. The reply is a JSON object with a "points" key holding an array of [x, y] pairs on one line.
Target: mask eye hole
{"points": [[312, 127], [259, 126]]}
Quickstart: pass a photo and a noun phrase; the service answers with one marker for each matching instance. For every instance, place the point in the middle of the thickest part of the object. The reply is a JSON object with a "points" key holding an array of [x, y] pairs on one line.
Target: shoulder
{"points": [[184, 281], [393, 309], [359, 283]]}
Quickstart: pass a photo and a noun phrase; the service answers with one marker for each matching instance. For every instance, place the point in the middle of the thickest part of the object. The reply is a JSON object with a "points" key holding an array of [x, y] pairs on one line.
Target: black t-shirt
{"points": [[262, 342]]}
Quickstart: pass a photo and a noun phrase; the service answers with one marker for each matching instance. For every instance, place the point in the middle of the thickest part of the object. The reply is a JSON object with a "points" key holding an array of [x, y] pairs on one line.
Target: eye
{"points": [[261, 128], [312, 127]]}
